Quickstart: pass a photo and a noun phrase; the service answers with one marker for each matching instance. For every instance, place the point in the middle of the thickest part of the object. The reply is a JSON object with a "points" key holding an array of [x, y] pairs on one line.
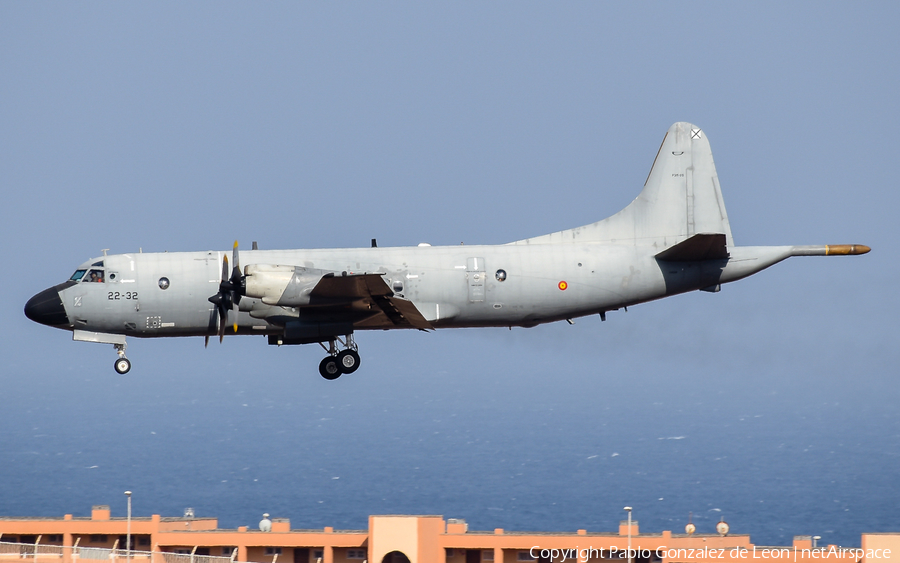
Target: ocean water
{"points": [[550, 429]]}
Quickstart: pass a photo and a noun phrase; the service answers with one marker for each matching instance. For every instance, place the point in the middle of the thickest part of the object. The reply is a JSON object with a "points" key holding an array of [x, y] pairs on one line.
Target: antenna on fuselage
{"points": [[104, 251], [374, 243], [255, 246]]}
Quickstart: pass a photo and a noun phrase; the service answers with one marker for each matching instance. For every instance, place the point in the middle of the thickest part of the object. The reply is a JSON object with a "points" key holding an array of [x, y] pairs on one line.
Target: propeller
{"points": [[230, 290]]}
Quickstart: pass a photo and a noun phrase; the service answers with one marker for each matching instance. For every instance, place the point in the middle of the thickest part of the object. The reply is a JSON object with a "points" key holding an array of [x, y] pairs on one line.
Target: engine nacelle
{"points": [[287, 286]]}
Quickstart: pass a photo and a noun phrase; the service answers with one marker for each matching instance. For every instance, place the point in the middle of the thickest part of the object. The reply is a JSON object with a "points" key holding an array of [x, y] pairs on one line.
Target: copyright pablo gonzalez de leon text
{"points": [[835, 553]]}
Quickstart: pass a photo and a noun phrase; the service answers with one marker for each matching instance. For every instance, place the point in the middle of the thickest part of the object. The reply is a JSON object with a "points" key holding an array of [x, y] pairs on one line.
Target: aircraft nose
{"points": [[47, 307]]}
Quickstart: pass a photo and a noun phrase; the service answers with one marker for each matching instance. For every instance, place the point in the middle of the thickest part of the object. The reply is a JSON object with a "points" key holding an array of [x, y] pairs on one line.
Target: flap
{"points": [[369, 288], [402, 312]]}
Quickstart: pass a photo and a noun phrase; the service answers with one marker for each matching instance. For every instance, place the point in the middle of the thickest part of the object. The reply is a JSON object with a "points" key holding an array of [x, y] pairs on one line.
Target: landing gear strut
{"points": [[123, 364], [337, 363]]}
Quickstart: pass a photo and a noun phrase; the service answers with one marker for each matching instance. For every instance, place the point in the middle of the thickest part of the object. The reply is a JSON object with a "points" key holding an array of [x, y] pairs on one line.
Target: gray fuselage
{"points": [[451, 286]]}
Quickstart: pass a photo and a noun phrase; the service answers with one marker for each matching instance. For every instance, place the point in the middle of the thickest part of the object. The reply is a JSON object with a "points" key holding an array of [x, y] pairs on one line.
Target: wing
{"points": [[354, 295]]}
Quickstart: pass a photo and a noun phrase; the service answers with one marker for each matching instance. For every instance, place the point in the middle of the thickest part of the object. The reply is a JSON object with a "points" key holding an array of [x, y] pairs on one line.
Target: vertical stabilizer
{"points": [[681, 198]]}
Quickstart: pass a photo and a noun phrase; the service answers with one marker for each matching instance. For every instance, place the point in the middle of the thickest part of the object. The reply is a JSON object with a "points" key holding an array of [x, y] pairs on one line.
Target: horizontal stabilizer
{"points": [[699, 247]]}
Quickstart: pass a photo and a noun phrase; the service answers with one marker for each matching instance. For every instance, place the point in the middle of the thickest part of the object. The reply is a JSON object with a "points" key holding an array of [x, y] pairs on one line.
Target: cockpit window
{"points": [[77, 275], [98, 263], [95, 276]]}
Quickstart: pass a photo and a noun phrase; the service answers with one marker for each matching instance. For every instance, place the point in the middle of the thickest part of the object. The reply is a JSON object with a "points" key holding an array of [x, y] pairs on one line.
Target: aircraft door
{"points": [[121, 294], [475, 278]]}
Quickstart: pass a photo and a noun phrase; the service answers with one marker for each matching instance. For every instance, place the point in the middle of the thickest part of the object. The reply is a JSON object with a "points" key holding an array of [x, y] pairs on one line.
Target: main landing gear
{"points": [[123, 364], [337, 363]]}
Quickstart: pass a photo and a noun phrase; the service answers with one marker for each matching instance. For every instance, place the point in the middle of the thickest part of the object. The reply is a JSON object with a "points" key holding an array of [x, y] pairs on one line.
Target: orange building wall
{"points": [[423, 539], [880, 547]]}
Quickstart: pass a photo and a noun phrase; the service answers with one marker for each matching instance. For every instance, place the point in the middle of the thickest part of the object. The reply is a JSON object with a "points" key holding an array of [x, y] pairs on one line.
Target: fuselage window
{"points": [[77, 275], [95, 276]]}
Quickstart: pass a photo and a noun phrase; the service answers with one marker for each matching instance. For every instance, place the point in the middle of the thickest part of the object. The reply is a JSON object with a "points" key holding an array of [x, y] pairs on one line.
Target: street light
{"points": [[128, 528], [628, 510]]}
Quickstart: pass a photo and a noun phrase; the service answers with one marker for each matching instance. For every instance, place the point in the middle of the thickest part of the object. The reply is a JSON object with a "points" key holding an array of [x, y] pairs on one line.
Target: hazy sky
{"points": [[184, 126]]}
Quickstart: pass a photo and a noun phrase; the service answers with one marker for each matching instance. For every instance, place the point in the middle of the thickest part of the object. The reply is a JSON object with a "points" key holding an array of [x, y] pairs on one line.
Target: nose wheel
{"points": [[337, 363], [123, 364]]}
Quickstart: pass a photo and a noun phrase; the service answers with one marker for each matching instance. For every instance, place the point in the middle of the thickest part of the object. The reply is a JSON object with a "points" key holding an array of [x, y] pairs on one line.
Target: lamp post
{"points": [[128, 528], [628, 510]]}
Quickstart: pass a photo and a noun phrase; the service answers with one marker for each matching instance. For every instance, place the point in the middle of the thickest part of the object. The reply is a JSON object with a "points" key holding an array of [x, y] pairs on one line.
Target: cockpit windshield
{"points": [[91, 273]]}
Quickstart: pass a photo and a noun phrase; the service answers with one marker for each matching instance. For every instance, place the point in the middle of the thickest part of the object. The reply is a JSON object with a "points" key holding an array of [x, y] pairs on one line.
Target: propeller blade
{"points": [[222, 320], [236, 281], [237, 262], [229, 295], [206, 341]]}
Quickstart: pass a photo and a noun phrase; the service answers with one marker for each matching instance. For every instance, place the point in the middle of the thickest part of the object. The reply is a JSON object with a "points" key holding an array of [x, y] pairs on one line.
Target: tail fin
{"points": [[681, 198]]}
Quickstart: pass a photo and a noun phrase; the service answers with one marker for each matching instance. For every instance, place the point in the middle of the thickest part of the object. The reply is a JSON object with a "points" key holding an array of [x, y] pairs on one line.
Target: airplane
{"points": [[673, 238]]}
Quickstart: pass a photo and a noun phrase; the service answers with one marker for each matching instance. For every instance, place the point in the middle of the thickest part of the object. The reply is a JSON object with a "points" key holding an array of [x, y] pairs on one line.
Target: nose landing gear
{"points": [[122, 364], [337, 363]]}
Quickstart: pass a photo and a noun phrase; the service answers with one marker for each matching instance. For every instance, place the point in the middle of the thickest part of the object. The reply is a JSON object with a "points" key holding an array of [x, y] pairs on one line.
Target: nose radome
{"points": [[47, 307]]}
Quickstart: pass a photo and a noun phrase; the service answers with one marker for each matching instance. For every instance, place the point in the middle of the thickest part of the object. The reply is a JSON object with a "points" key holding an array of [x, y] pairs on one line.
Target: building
{"points": [[391, 539]]}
